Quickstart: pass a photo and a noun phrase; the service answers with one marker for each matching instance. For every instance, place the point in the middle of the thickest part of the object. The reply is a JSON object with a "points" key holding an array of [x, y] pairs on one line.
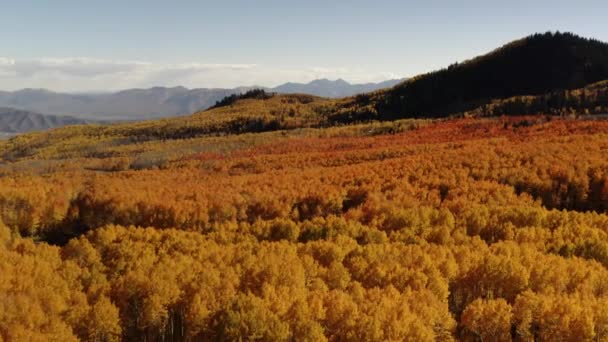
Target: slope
{"points": [[534, 65]]}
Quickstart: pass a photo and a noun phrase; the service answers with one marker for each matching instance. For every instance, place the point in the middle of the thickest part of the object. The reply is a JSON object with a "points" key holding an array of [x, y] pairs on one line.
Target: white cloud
{"points": [[6, 61], [78, 67], [92, 67], [84, 74]]}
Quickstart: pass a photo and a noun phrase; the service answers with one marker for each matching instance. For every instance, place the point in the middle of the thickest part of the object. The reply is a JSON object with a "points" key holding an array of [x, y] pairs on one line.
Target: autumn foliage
{"points": [[468, 229]]}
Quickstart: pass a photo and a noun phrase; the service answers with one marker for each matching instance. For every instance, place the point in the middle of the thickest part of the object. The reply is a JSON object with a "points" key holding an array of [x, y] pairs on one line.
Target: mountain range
{"points": [[536, 74], [158, 102], [14, 121], [335, 89]]}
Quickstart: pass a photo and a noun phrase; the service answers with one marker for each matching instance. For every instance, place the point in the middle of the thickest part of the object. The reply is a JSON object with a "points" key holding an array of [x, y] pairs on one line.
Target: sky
{"points": [[92, 45]]}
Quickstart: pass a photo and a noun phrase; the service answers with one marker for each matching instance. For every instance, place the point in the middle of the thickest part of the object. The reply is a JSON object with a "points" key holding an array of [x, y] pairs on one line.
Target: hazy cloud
{"points": [[78, 67], [83, 74]]}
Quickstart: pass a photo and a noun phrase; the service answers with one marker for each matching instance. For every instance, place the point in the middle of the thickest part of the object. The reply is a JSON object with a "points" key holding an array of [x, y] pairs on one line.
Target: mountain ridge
{"points": [[158, 102], [534, 65], [334, 89], [13, 121], [542, 73]]}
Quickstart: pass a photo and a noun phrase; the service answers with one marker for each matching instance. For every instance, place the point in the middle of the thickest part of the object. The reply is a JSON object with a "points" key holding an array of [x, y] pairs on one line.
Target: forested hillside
{"points": [[535, 65], [470, 229], [237, 119]]}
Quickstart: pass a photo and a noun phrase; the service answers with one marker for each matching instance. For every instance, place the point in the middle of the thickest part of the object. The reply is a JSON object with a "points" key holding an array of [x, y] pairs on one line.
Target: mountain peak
{"points": [[338, 81], [331, 88]]}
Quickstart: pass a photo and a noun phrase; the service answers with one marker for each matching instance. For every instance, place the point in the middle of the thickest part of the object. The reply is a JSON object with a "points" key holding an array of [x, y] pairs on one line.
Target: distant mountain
{"points": [[132, 104], [20, 121], [337, 88], [535, 65], [158, 102]]}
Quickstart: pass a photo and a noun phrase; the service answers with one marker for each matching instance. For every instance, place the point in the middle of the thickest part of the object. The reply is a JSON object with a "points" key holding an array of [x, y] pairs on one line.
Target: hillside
{"points": [[240, 118], [20, 121], [545, 66], [535, 65], [275, 112], [437, 228]]}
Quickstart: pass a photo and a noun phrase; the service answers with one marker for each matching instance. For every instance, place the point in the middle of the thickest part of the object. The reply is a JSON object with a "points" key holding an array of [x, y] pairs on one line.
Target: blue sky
{"points": [[108, 45]]}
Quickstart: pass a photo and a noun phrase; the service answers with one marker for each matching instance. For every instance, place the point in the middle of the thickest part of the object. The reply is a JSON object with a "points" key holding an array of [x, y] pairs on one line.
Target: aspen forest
{"points": [[461, 229]]}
